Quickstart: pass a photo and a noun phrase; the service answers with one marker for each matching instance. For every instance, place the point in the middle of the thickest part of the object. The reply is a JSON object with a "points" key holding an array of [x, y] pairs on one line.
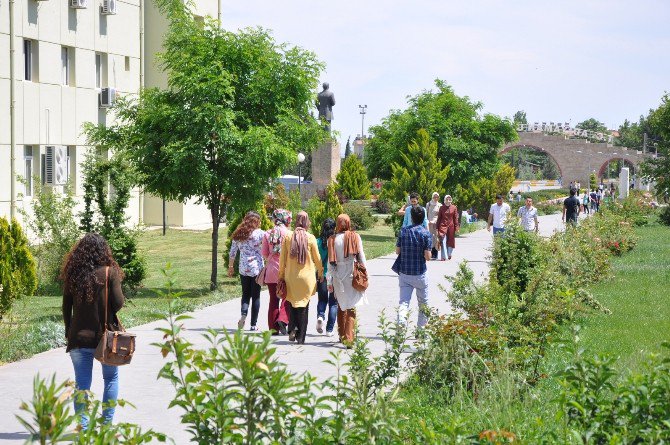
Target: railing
{"points": [[565, 129]]}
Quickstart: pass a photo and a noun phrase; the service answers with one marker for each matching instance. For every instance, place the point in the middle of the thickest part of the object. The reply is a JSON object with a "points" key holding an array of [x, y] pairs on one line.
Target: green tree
{"points": [[592, 124], [419, 170], [658, 168], [466, 140], [347, 150], [481, 193], [319, 210], [352, 179], [520, 118], [235, 112], [18, 276]]}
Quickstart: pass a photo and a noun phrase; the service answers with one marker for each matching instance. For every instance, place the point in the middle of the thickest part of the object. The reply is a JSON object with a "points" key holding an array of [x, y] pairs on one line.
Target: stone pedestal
{"points": [[624, 183], [325, 163]]}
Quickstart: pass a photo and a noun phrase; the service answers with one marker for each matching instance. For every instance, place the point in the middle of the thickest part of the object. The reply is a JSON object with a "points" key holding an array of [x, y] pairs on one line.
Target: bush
{"points": [[381, 206], [664, 215], [360, 216], [480, 194], [326, 204], [18, 274], [276, 199], [52, 221], [352, 179]]}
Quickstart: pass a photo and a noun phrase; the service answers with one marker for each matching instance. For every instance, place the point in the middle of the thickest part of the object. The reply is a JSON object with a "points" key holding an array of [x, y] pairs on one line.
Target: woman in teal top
{"points": [[325, 299]]}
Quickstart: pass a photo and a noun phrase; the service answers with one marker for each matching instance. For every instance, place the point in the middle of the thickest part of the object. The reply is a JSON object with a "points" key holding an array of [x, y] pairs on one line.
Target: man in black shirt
{"points": [[571, 208]]}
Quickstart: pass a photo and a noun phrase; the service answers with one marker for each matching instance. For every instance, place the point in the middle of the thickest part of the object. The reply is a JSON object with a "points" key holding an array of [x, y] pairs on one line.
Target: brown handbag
{"points": [[116, 347], [281, 289], [360, 279], [260, 279]]}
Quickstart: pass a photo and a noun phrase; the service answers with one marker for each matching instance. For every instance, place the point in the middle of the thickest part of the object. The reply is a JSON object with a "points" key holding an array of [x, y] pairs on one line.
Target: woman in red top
{"points": [[448, 223]]}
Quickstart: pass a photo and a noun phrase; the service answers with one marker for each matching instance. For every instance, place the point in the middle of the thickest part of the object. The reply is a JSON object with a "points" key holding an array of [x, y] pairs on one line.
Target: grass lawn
{"points": [[35, 324]]}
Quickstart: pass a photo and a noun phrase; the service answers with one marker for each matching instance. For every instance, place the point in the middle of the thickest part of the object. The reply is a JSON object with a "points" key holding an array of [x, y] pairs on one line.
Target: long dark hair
{"points": [[251, 222], [327, 230], [79, 265]]}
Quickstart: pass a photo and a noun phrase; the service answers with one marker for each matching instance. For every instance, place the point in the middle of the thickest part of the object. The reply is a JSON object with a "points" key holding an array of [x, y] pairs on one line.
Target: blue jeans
{"points": [[445, 248], [82, 361], [329, 300], [408, 283], [498, 230]]}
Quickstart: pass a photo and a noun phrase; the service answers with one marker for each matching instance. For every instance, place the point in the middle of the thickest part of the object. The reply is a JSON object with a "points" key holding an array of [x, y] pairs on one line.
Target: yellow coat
{"points": [[300, 278]]}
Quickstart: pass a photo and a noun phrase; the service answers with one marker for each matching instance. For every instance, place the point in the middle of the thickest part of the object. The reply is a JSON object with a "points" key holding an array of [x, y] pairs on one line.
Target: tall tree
{"points": [[520, 118], [352, 179], [419, 170], [466, 139], [592, 124], [347, 150], [234, 114], [658, 168]]}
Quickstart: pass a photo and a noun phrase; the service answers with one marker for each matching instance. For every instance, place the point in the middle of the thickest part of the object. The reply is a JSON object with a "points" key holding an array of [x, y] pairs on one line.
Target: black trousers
{"points": [[298, 322], [250, 291]]}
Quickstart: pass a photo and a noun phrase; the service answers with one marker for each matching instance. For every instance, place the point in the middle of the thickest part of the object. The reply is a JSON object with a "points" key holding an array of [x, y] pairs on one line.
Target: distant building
{"points": [[359, 146]]}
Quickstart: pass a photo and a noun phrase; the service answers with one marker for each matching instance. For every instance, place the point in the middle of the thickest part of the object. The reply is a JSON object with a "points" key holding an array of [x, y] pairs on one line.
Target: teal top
{"points": [[323, 251]]}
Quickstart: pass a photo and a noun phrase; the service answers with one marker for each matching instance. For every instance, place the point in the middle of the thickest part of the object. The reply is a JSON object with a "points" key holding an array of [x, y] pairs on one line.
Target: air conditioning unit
{"points": [[108, 7], [78, 4], [55, 160], [107, 97]]}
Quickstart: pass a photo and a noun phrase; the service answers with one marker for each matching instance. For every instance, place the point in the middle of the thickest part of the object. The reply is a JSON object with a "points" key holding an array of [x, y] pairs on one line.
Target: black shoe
{"points": [[291, 335], [282, 327]]}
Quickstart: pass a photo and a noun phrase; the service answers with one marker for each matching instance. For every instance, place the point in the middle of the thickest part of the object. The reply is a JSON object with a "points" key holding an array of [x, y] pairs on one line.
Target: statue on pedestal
{"points": [[325, 103]]}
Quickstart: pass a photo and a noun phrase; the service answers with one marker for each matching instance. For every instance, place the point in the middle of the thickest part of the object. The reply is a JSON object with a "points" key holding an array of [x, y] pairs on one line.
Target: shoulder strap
{"points": [[104, 323]]}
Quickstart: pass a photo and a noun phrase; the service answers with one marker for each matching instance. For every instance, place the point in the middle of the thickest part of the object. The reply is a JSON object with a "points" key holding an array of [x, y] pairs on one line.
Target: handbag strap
{"points": [[104, 323]]}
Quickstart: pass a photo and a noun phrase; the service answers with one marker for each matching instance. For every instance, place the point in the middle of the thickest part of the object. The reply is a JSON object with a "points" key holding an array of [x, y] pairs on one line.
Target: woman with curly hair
{"points": [[88, 271], [278, 308], [247, 239], [300, 266]]}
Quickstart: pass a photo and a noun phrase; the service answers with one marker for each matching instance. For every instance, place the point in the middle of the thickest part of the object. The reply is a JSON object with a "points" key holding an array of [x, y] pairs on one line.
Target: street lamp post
{"points": [[363, 110], [301, 159]]}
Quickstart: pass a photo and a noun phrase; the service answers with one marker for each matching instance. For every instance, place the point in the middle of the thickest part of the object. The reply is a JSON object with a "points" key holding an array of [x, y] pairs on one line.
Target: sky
{"points": [[558, 61]]}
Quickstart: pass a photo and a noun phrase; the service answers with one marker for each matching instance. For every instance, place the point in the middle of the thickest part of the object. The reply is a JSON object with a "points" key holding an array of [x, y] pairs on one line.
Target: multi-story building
{"points": [[71, 58]]}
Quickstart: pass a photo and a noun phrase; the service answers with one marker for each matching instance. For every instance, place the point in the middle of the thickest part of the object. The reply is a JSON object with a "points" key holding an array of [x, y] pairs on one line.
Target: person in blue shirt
{"points": [[413, 249], [405, 211]]}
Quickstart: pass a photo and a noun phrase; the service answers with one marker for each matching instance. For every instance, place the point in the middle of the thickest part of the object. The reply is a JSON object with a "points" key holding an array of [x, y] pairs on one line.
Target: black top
{"points": [[571, 205], [83, 326]]}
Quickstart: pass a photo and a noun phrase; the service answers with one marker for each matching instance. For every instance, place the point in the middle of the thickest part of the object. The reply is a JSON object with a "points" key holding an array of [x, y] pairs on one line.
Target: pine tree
{"points": [[347, 150], [318, 210], [18, 275], [419, 170], [353, 179]]}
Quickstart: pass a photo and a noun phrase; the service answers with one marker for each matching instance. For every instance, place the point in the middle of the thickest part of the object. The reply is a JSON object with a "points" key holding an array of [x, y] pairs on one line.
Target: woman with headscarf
{"points": [[247, 239], [278, 308], [432, 210], [448, 223], [326, 298], [300, 267], [344, 248]]}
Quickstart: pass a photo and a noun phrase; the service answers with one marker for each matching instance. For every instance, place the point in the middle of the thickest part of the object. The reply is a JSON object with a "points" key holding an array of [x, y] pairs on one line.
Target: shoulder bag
{"points": [[281, 289], [360, 278], [116, 347], [260, 279]]}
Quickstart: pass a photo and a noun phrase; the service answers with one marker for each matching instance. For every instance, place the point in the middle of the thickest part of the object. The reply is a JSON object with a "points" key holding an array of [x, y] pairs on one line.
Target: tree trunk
{"points": [[215, 210]]}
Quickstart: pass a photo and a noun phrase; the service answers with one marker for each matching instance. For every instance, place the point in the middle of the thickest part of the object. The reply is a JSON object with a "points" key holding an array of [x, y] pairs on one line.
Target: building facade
{"points": [[71, 58]]}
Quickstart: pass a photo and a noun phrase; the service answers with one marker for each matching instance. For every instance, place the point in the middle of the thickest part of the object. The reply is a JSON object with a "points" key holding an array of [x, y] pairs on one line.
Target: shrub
{"points": [[381, 206], [664, 215], [276, 199], [18, 275], [326, 205], [481, 193], [52, 221], [360, 216], [352, 179]]}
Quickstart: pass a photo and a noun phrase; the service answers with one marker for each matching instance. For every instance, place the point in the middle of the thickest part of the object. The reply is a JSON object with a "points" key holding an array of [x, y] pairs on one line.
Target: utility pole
{"points": [[362, 111], [644, 143]]}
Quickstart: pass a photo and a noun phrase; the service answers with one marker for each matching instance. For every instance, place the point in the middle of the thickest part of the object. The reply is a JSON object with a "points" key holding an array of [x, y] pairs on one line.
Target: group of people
{"points": [[295, 265]]}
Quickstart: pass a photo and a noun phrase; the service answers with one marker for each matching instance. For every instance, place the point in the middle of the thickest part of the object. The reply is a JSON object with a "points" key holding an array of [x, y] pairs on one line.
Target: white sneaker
{"points": [[240, 323], [329, 333], [319, 325]]}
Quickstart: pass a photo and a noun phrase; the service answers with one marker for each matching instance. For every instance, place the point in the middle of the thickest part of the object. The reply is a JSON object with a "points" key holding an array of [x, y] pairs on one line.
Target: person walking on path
{"points": [[448, 223], [248, 239], [571, 208], [89, 273], [497, 215], [585, 201], [326, 297], [432, 211], [528, 216], [300, 267], [405, 211], [277, 308], [413, 249], [344, 248]]}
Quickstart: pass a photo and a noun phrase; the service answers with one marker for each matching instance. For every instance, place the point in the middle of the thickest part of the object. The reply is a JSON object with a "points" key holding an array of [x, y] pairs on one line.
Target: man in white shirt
{"points": [[498, 214], [528, 216]]}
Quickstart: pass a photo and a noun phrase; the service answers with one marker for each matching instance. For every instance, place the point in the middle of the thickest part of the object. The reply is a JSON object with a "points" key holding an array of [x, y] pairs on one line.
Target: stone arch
{"points": [[601, 171], [536, 148]]}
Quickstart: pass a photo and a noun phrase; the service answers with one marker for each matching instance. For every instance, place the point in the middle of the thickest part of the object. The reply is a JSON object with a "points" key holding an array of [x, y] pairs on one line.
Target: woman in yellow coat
{"points": [[299, 265]]}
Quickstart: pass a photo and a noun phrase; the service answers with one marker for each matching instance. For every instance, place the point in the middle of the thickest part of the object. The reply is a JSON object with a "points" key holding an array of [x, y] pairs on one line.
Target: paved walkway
{"points": [[151, 397]]}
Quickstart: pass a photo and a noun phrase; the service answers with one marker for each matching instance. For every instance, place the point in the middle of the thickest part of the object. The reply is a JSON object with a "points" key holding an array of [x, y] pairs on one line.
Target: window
{"points": [[65, 64], [98, 70], [28, 59], [127, 60], [28, 171]]}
